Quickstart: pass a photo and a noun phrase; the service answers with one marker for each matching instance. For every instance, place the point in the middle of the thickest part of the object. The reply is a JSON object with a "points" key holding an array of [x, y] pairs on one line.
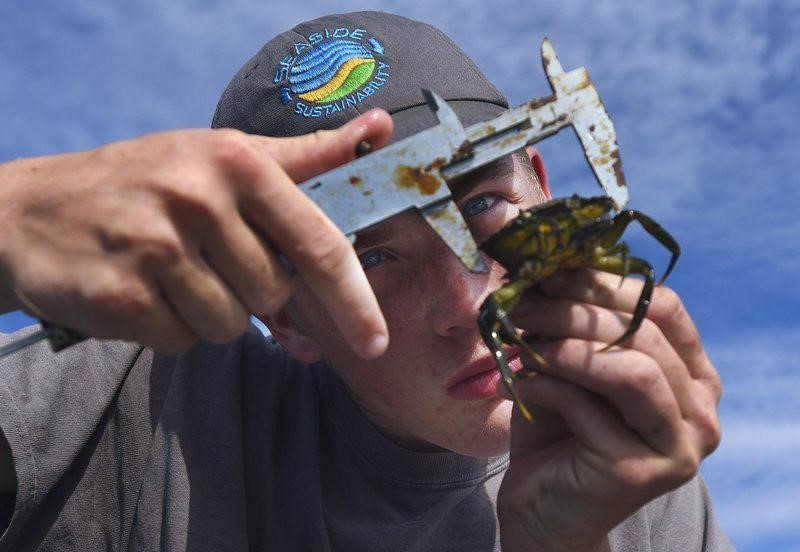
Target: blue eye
{"points": [[476, 205], [371, 258]]}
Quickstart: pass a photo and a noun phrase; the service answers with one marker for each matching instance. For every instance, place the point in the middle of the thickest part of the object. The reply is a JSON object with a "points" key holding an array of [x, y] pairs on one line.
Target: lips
{"points": [[479, 379]]}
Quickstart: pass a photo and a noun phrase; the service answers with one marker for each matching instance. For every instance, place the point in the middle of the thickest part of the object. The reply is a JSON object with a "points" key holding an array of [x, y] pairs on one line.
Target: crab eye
{"points": [[371, 258], [478, 204]]}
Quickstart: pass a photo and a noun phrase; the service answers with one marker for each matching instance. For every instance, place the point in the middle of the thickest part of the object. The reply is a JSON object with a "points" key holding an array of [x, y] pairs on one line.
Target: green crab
{"points": [[573, 232]]}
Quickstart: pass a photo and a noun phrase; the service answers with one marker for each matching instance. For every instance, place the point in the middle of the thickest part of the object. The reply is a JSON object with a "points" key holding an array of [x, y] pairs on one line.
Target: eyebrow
{"points": [[374, 235], [495, 170]]}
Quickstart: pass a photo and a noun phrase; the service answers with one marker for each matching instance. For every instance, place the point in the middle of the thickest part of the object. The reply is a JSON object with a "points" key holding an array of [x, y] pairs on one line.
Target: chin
{"points": [[493, 436]]}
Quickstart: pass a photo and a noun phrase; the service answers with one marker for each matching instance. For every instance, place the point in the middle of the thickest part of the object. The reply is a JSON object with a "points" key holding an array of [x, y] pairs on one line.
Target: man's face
{"points": [[435, 385]]}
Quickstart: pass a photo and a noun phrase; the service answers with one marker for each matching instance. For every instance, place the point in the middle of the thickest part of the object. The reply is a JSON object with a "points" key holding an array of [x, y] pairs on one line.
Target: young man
{"points": [[337, 438]]}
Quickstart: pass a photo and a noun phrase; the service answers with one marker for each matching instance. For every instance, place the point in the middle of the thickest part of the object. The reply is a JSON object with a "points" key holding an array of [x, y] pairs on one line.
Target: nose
{"points": [[459, 293]]}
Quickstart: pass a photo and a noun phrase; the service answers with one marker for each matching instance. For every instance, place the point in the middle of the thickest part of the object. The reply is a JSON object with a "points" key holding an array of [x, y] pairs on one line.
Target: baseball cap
{"points": [[325, 72]]}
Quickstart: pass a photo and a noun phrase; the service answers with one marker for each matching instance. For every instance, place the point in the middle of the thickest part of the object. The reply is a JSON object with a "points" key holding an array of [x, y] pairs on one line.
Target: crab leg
{"points": [[620, 222], [624, 265], [497, 328], [493, 321]]}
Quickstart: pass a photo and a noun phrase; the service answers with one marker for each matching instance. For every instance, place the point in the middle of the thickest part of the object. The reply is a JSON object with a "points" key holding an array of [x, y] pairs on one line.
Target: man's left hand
{"points": [[612, 429]]}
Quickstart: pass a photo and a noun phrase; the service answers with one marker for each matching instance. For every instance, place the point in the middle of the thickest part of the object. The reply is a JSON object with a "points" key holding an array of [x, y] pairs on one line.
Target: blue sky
{"points": [[703, 96]]}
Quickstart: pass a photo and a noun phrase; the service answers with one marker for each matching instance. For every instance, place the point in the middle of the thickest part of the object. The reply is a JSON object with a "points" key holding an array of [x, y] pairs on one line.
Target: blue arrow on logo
{"points": [[375, 45]]}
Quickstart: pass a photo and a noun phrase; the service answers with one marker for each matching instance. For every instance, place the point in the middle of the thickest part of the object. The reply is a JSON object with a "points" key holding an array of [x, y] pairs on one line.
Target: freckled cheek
{"points": [[398, 381], [404, 379]]}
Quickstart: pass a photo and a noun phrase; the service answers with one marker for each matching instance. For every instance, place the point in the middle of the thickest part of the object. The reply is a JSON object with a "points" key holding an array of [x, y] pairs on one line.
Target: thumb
{"points": [[306, 156]]}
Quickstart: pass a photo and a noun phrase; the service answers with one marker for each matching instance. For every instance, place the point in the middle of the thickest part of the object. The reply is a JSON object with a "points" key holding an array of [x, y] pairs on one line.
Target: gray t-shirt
{"points": [[238, 447]]}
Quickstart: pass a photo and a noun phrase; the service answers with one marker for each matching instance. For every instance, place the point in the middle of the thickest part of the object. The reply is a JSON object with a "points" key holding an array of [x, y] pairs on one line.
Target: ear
{"points": [[538, 166], [286, 332]]}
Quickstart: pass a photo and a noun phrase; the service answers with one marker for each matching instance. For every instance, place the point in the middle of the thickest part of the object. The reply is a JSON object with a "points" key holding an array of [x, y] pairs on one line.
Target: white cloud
{"points": [[756, 483], [755, 474]]}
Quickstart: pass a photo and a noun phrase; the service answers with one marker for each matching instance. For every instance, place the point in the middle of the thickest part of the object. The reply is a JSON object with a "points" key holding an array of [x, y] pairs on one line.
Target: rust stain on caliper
{"points": [[416, 177], [423, 178]]}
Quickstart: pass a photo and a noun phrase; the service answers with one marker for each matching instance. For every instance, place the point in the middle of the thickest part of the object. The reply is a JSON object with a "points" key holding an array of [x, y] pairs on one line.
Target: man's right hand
{"points": [[173, 237]]}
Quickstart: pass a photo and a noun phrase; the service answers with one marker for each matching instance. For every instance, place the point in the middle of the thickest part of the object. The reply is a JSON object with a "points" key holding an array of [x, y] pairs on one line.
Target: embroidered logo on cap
{"points": [[332, 71]]}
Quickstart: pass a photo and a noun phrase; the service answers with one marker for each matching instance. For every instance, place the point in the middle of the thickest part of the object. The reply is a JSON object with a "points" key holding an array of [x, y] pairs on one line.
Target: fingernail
{"points": [[376, 345], [363, 148]]}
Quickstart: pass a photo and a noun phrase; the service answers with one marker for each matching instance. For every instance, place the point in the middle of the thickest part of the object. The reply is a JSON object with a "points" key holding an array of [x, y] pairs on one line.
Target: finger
{"points": [[595, 287], [248, 266], [163, 330], [610, 451], [565, 319], [114, 304], [306, 156], [548, 427], [590, 419], [666, 310], [202, 300], [696, 398], [669, 313], [322, 256], [632, 382], [592, 286]]}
